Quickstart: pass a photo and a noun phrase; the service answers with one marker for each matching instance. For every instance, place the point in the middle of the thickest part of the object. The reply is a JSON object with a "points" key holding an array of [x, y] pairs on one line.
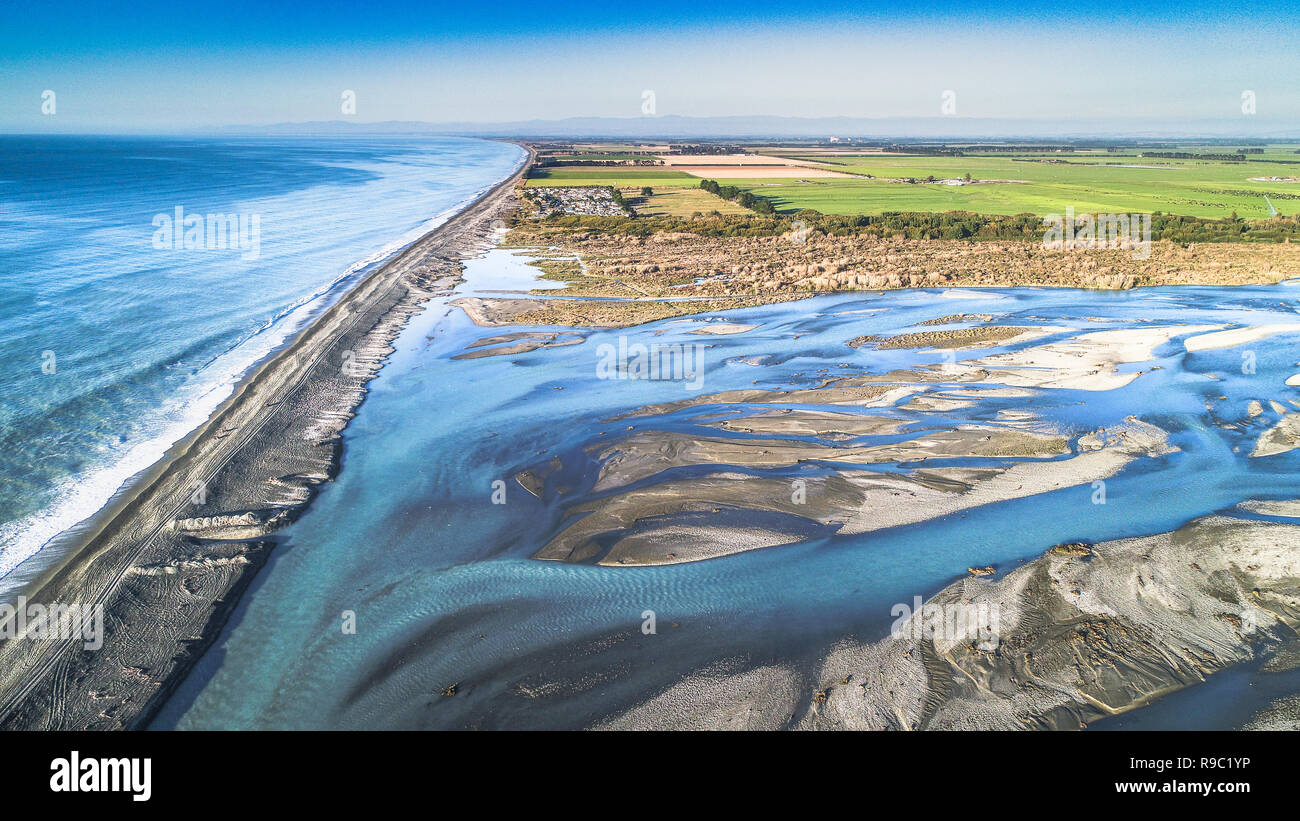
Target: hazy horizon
{"points": [[241, 64], [757, 127]]}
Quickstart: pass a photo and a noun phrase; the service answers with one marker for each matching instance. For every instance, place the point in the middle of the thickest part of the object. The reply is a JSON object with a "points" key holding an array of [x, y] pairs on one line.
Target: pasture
{"points": [[1115, 181]]}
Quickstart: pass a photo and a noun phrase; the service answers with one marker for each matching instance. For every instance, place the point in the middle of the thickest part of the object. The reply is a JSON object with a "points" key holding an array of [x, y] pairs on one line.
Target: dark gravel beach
{"points": [[169, 563]]}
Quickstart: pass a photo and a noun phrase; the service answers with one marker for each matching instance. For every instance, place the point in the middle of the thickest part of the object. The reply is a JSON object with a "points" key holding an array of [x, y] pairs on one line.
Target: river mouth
{"points": [[504, 523]]}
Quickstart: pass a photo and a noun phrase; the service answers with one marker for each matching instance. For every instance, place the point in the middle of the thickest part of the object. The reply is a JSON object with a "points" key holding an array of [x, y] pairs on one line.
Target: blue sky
{"points": [[173, 66]]}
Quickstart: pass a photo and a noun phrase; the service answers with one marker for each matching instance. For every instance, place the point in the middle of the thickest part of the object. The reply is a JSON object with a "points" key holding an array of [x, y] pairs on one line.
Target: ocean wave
{"points": [[80, 496]]}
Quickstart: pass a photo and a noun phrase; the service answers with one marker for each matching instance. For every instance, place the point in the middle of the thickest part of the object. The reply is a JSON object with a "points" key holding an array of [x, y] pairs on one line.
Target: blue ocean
{"points": [[141, 277]]}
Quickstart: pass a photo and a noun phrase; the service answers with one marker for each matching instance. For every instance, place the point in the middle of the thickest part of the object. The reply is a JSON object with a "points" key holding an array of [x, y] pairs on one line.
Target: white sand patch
{"points": [[723, 328], [1237, 336], [1086, 362], [963, 293], [1024, 336], [1282, 437], [890, 500]]}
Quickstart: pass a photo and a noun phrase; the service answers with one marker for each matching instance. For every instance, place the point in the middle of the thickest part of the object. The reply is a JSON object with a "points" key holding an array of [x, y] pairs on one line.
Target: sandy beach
{"points": [[170, 562]]}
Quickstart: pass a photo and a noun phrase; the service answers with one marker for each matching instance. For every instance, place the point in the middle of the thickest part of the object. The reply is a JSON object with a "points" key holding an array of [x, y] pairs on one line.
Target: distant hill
{"points": [[677, 127]]}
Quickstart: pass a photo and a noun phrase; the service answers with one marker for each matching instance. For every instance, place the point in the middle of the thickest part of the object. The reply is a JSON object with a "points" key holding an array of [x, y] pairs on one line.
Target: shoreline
{"points": [[195, 560], [168, 558], [64, 545]]}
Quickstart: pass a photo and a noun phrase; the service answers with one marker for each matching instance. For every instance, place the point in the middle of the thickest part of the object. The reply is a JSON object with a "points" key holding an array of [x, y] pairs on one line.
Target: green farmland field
{"points": [[1090, 182]]}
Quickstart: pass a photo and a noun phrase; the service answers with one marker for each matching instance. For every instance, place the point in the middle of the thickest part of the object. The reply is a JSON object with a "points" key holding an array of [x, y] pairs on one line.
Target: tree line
{"points": [[745, 199], [951, 225]]}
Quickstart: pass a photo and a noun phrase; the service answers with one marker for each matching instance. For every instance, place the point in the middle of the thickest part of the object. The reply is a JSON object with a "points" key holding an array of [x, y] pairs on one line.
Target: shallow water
{"points": [[444, 592], [1226, 700], [114, 348]]}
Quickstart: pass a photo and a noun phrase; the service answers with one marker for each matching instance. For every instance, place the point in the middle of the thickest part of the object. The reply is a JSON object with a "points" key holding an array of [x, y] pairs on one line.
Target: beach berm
{"points": [[168, 564]]}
